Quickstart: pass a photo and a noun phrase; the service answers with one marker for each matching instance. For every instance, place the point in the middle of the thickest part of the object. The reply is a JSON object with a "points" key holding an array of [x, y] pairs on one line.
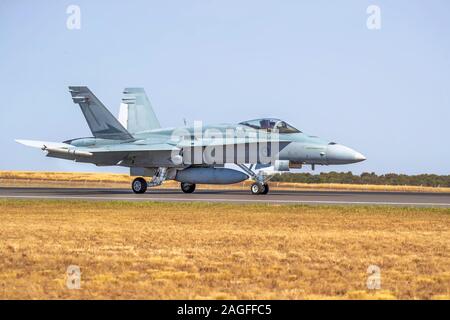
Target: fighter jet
{"points": [[196, 154]]}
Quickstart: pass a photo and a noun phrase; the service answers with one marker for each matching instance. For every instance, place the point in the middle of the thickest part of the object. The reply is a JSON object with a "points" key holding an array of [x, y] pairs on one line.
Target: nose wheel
{"points": [[139, 185], [257, 188]]}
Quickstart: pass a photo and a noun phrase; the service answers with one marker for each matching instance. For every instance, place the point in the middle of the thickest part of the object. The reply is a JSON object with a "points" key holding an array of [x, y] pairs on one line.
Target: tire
{"points": [[255, 189], [187, 187], [139, 185], [265, 189]]}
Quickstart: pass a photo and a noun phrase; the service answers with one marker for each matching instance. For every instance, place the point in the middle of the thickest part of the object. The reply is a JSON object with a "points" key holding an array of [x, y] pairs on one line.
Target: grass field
{"points": [[113, 180], [219, 251]]}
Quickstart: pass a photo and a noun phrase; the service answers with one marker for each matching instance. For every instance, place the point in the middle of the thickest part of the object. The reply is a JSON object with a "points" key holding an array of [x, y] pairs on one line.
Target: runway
{"points": [[235, 196]]}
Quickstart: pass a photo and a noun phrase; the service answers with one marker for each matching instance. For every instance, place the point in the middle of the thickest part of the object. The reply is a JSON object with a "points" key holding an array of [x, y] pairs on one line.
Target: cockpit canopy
{"points": [[269, 124]]}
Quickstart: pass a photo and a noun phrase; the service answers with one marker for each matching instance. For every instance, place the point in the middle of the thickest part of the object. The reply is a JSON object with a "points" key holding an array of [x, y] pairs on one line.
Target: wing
{"points": [[162, 154], [145, 155]]}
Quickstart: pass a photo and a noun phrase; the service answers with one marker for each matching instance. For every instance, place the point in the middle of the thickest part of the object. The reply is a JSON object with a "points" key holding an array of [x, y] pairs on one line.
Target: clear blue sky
{"points": [[385, 93]]}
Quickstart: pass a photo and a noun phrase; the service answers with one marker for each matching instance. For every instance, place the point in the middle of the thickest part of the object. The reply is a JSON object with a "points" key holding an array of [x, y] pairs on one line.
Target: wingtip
{"points": [[21, 141], [29, 143], [41, 144]]}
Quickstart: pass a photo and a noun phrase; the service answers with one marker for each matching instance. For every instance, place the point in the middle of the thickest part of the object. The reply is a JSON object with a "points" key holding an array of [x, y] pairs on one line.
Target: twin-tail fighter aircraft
{"points": [[216, 154]]}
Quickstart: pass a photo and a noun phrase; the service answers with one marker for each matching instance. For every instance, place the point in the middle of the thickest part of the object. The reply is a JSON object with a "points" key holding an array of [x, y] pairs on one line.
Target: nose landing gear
{"points": [[260, 185], [266, 189], [257, 188]]}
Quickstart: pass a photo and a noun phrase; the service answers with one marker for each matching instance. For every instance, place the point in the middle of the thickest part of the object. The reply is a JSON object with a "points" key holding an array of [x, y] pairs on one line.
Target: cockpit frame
{"points": [[270, 124]]}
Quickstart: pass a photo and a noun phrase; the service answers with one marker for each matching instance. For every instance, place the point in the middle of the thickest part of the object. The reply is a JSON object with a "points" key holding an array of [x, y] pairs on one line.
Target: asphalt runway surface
{"points": [[235, 196]]}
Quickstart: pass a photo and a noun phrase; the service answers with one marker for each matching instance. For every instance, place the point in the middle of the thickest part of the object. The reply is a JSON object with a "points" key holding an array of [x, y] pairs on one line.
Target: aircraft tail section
{"points": [[101, 122], [136, 112]]}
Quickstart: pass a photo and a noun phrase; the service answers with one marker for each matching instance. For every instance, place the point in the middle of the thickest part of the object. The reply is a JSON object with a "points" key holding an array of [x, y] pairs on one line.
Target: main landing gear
{"points": [[187, 187], [257, 188], [139, 185]]}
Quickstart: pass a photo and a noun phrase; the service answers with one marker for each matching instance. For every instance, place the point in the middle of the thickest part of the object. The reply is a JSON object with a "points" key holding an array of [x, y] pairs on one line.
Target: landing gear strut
{"points": [[139, 185], [187, 187], [260, 186], [257, 188]]}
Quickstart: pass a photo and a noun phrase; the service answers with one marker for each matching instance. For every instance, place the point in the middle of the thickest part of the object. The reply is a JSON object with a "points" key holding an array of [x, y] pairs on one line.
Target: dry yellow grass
{"points": [[114, 180], [164, 250]]}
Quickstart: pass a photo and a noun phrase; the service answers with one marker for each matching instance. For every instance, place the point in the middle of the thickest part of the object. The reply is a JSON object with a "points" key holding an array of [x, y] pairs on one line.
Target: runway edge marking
{"points": [[227, 200]]}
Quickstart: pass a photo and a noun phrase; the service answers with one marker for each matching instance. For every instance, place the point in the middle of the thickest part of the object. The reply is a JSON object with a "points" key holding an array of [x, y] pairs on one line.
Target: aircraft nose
{"points": [[339, 154]]}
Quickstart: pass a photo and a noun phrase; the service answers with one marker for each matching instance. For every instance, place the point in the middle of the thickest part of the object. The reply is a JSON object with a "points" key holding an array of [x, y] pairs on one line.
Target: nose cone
{"points": [[339, 154]]}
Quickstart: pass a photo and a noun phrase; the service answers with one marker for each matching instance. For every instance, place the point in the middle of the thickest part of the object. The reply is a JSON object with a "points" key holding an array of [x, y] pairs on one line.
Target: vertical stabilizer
{"points": [[136, 112], [101, 122]]}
